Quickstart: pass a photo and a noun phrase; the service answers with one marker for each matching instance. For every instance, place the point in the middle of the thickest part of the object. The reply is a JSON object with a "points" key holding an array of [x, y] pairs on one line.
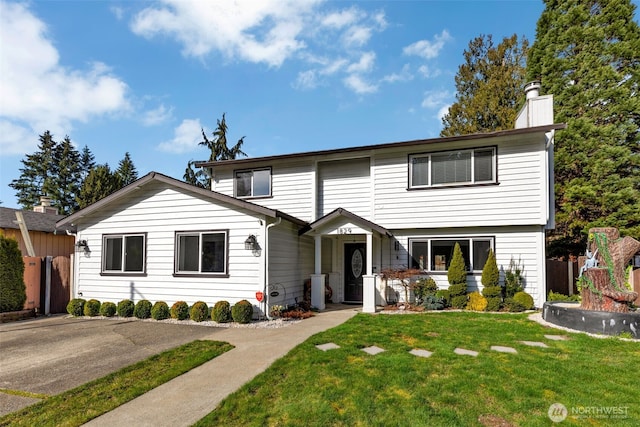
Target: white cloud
{"points": [[443, 111], [428, 49], [157, 115], [403, 76], [357, 35], [342, 18], [266, 31], [428, 72], [435, 99], [364, 64], [40, 94], [118, 12], [306, 80], [185, 137], [357, 84]]}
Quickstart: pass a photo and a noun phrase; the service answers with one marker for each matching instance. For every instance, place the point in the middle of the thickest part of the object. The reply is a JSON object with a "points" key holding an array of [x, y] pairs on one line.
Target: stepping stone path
{"points": [[421, 353], [557, 337], [373, 350], [465, 352], [327, 346], [503, 349], [535, 344]]}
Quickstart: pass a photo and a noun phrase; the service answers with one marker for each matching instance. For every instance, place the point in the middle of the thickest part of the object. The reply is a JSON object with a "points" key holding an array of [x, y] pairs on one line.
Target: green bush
{"points": [[493, 304], [459, 301], [199, 311], [513, 306], [433, 302], [492, 292], [13, 292], [107, 309], [553, 296], [524, 299], [76, 307], [221, 312], [160, 311], [125, 308], [513, 280], [490, 272], [457, 273], [180, 310], [91, 308], [458, 290], [242, 311], [445, 295], [476, 302], [142, 309], [423, 287]]}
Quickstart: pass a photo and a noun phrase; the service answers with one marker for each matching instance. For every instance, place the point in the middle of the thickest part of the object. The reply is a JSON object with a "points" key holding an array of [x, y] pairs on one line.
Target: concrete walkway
{"points": [[189, 397]]}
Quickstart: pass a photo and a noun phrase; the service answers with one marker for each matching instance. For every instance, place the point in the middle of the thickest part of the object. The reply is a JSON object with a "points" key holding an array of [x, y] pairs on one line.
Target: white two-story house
{"points": [[333, 218]]}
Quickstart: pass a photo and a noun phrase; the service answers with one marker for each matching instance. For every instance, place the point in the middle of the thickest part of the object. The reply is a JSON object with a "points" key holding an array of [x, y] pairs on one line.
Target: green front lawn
{"points": [[348, 387]]}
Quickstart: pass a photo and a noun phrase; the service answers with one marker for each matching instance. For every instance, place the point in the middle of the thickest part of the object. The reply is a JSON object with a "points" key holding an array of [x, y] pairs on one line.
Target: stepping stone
{"points": [[502, 349], [465, 352], [557, 337], [421, 353], [373, 350], [535, 344], [327, 346]]}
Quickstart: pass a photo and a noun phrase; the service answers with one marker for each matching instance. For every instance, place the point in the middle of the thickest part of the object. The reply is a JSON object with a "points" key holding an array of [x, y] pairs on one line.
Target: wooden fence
{"points": [[48, 276]]}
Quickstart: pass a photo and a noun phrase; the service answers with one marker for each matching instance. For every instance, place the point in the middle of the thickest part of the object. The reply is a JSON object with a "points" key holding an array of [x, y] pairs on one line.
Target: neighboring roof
{"points": [[158, 177], [340, 212], [35, 221], [475, 136]]}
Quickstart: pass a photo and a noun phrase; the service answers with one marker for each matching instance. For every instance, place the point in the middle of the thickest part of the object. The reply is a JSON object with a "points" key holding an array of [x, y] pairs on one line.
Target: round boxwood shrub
{"points": [[160, 311], [221, 312], [125, 308], [199, 311], [242, 311], [107, 309], [493, 304], [12, 288], [76, 307], [525, 299], [513, 306], [142, 309], [91, 308], [180, 310], [459, 301]]}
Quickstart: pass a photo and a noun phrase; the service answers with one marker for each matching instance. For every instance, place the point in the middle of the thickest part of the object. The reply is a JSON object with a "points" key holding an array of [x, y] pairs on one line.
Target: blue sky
{"points": [[291, 75]]}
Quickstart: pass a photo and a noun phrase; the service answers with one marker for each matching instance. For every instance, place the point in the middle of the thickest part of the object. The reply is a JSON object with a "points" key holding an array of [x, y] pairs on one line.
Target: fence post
{"points": [[570, 265], [47, 285]]}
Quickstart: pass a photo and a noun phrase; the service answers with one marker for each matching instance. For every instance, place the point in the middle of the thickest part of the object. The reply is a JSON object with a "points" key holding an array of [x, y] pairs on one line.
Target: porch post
{"points": [[317, 279], [369, 280]]}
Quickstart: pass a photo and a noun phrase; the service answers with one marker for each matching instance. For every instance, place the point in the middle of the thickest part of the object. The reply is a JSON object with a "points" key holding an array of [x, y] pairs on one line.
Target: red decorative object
{"points": [[259, 296]]}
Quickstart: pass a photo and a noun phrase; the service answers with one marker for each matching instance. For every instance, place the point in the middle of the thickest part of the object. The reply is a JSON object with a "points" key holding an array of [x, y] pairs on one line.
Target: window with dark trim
{"points": [[433, 254], [253, 183], [474, 166], [201, 252], [123, 253]]}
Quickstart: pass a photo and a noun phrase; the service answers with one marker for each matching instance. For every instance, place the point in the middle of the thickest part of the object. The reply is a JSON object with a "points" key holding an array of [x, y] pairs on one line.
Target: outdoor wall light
{"points": [[84, 245], [251, 243]]}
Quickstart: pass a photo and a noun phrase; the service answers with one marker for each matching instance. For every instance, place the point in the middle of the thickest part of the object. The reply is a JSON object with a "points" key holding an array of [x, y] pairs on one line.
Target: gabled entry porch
{"points": [[348, 253]]}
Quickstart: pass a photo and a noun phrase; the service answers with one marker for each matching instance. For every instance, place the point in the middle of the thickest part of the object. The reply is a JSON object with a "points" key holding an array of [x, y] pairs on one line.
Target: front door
{"points": [[355, 258]]}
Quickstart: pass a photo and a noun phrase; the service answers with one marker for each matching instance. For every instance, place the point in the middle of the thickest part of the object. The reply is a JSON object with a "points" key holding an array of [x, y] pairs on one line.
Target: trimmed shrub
{"points": [[221, 312], [457, 272], [490, 272], [458, 290], [513, 280], [125, 308], [494, 304], [107, 309], [476, 302], [91, 308], [445, 295], [160, 311], [13, 292], [525, 299], [556, 296], [433, 302], [180, 310], [199, 311], [242, 311], [513, 306], [76, 307], [423, 287], [459, 301], [493, 294], [142, 309]]}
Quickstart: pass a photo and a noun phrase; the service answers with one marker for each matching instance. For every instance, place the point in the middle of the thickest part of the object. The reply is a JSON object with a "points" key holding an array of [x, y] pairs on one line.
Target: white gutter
{"points": [[266, 266]]}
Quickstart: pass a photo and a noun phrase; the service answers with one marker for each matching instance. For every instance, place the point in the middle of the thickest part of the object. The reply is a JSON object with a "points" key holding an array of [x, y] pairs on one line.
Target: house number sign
{"points": [[344, 230]]}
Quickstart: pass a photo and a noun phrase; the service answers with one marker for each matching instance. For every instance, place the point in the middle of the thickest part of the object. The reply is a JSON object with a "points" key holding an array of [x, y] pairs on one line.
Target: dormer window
{"points": [[253, 183]]}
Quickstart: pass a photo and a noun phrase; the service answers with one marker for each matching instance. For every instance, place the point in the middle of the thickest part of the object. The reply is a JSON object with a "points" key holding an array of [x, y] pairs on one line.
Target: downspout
{"points": [[266, 266]]}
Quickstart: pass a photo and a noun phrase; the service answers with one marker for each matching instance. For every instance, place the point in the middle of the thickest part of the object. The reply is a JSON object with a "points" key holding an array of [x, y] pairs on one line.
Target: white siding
{"points": [[160, 211], [345, 184]]}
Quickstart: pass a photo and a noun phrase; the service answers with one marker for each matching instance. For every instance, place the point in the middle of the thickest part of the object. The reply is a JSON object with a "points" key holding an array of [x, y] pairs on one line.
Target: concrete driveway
{"points": [[52, 354]]}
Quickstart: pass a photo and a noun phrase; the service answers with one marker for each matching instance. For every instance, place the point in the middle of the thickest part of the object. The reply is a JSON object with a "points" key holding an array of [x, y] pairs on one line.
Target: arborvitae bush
{"points": [[107, 309], [242, 311], [445, 295], [221, 312], [160, 311], [493, 294], [493, 304], [513, 280], [476, 302], [457, 272], [459, 301], [512, 305], [180, 310], [458, 290], [76, 307], [142, 309], [423, 287], [524, 299], [199, 311], [490, 272], [13, 292], [125, 308], [91, 308]]}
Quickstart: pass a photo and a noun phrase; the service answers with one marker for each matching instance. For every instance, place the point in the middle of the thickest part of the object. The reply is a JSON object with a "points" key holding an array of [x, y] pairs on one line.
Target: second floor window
{"points": [[452, 168], [253, 183]]}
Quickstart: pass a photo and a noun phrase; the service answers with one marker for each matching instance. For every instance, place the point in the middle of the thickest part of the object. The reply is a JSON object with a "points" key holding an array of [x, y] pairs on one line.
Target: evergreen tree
{"points": [[67, 177], [457, 272], [36, 175], [126, 172], [219, 150], [586, 54], [490, 272], [87, 162], [489, 87], [99, 184]]}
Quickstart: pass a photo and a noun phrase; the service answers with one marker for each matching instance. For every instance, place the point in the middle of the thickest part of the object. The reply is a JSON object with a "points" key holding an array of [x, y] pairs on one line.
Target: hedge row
{"points": [[222, 311]]}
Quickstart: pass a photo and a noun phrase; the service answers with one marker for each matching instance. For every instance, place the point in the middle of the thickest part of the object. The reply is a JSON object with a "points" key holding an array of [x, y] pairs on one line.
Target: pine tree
{"points": [[489, 86], [37, 173], [87, 162], [99, 184], [587, 55], [490, 272], [67, 178], [457, 273], [126, 172]]}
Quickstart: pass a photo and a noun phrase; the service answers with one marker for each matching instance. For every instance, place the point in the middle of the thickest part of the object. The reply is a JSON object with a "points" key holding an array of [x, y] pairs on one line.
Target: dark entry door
{"points": [[355, 259]]}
